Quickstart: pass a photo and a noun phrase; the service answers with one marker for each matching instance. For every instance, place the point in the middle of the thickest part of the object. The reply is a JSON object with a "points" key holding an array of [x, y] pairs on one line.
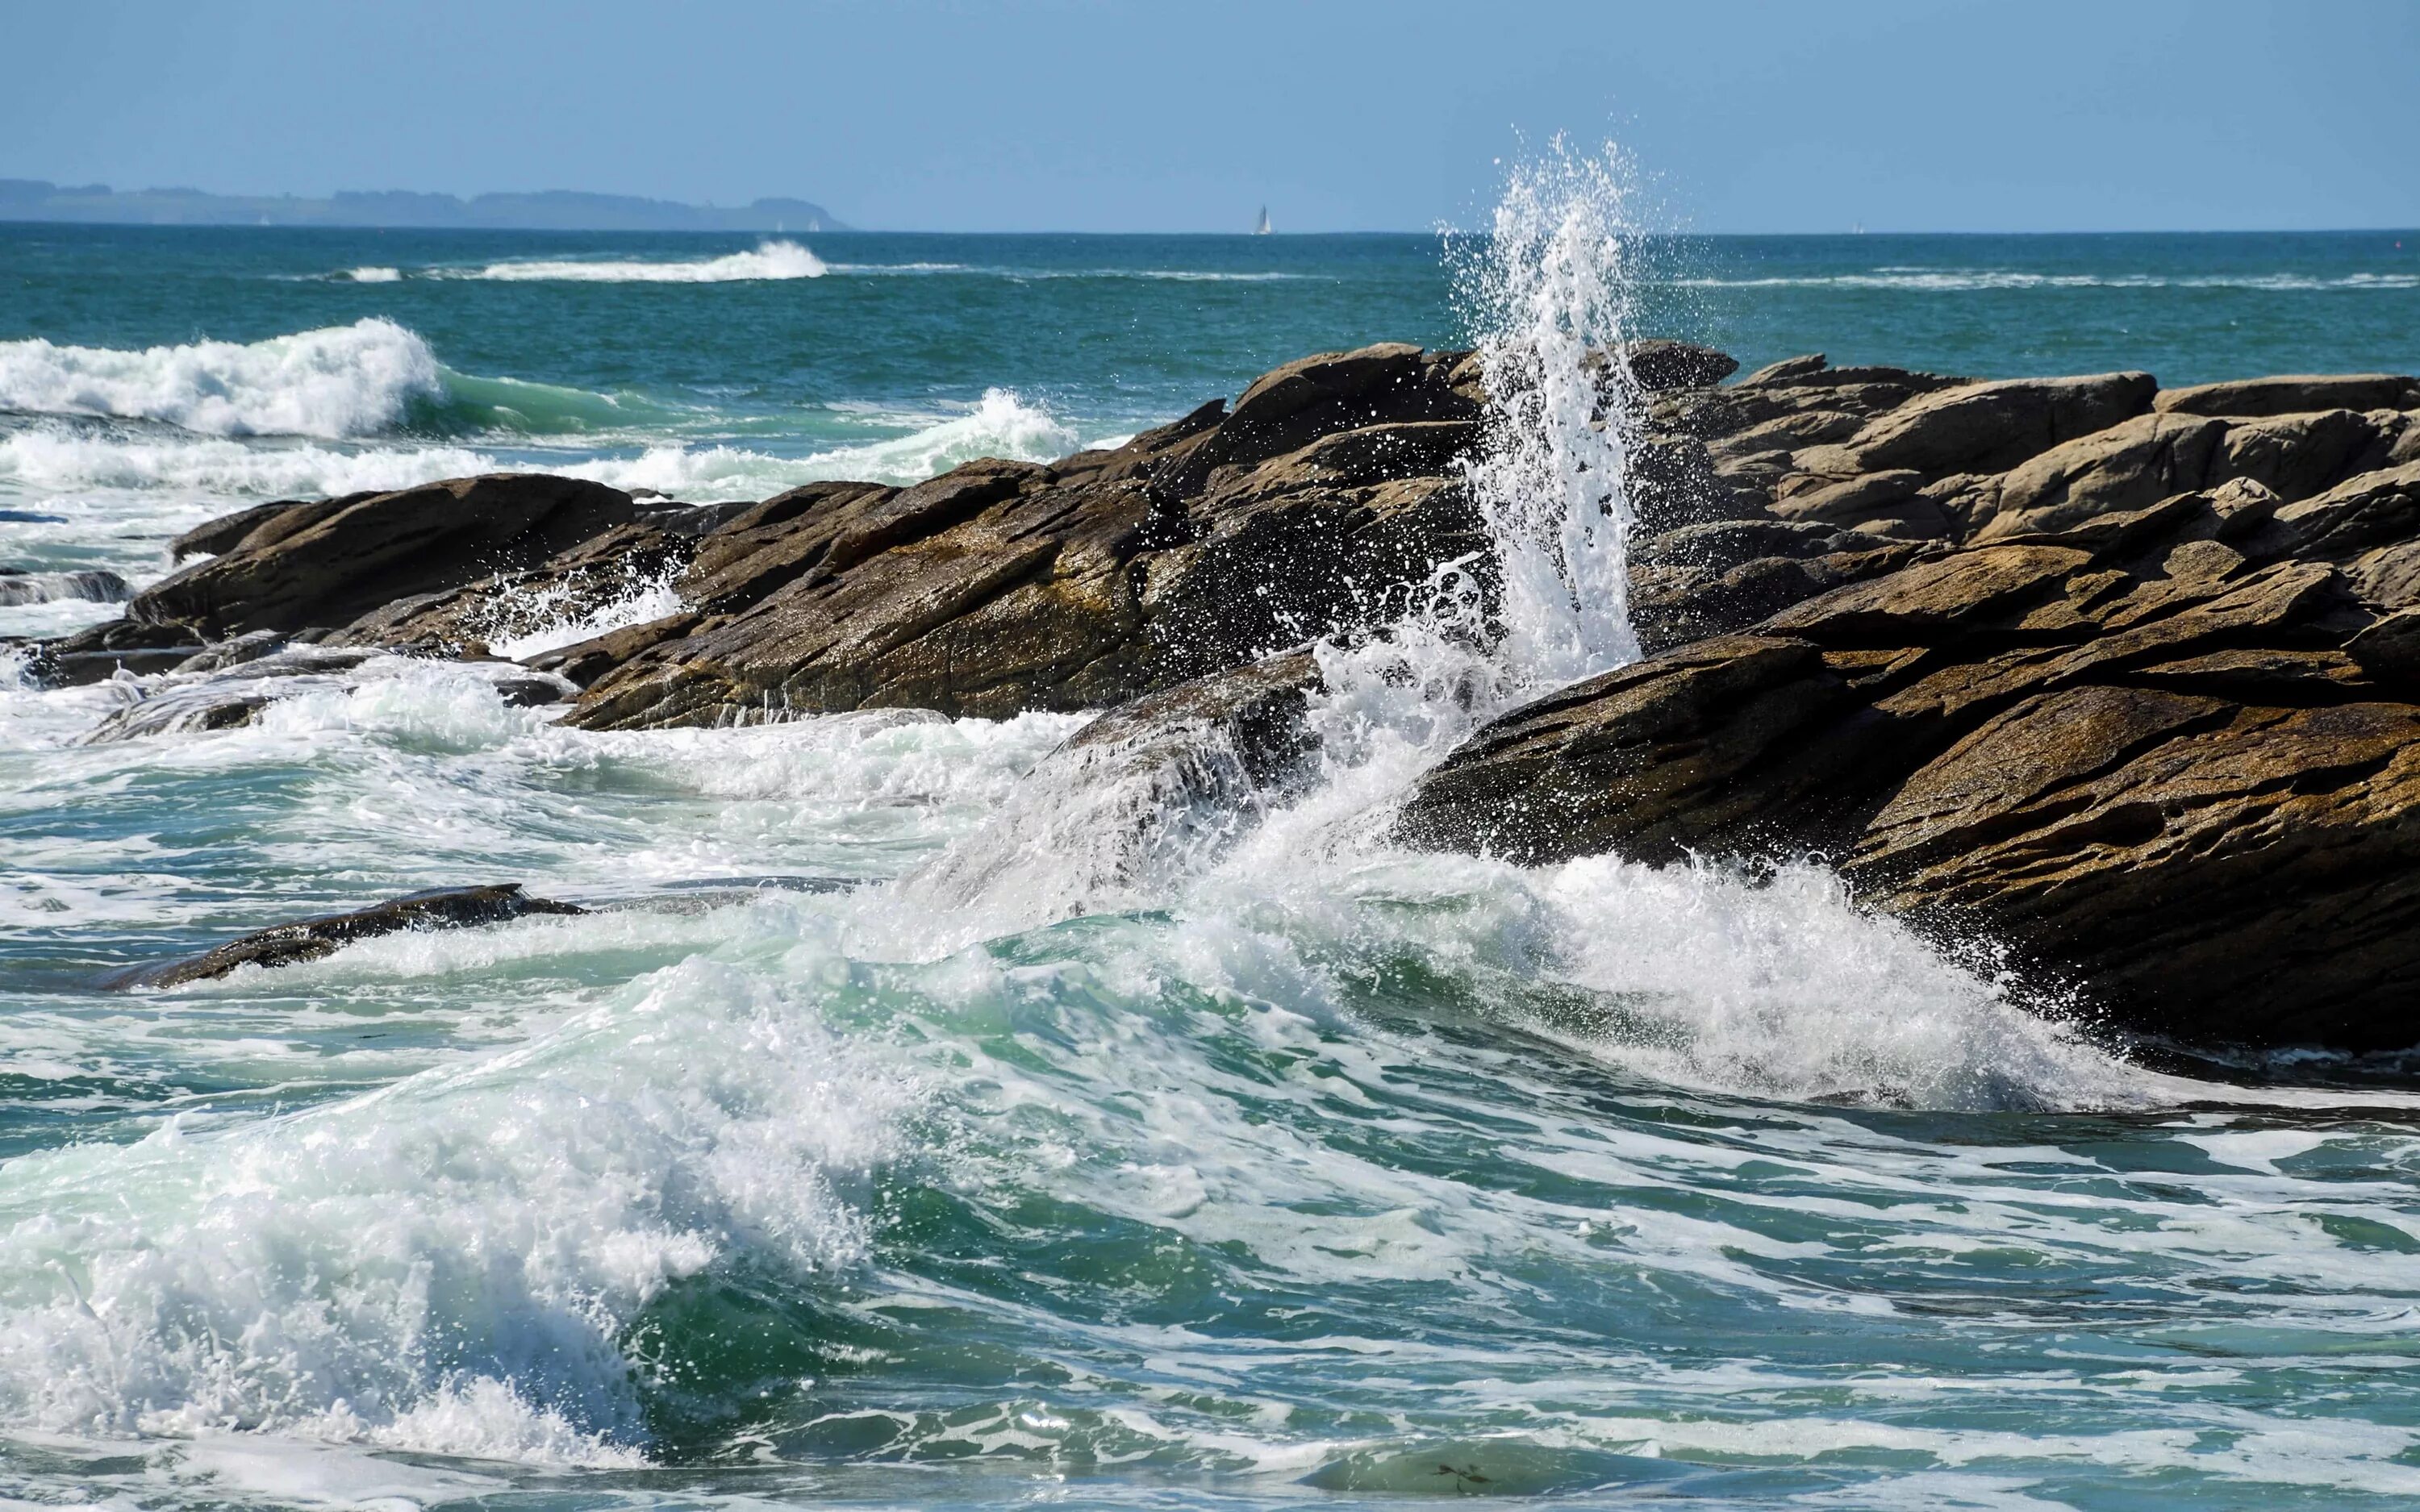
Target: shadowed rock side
{"points": [[309, 939]]}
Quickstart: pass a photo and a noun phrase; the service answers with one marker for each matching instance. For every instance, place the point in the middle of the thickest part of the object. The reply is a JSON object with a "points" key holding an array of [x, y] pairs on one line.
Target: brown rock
{"points": [[2293, 394], [2183, 779], [1985, 428], [2128, 466], [1318, 504], [330, 563]]}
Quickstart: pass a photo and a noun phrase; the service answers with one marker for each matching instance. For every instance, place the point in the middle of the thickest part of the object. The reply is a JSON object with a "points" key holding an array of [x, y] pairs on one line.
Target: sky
{"points": [[1338, 115]]}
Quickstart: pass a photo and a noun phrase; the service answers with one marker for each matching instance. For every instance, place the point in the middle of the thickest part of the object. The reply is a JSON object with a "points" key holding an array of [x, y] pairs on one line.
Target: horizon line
{"points": [[853, 230]]}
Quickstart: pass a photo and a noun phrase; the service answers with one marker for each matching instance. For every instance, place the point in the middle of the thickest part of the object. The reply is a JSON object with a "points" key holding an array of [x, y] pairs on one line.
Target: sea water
{"points": [[891, 1133]]}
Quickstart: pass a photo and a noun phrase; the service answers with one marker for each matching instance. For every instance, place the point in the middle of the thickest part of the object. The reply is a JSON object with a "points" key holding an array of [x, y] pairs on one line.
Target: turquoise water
{"points": [[882, 1140]]}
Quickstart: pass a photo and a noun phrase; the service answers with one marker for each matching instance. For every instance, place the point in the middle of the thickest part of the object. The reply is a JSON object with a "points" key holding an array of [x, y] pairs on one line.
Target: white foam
{"points": [[770, 260], [1001, 424], [545, 621], [63, 460], [69, 460], [395, 1266], [337, 381], [375, 275]]}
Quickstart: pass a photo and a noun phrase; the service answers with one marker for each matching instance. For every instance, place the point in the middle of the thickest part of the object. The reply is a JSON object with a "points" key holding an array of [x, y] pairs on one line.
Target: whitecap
{"points": [[336, 381], [770, 260], [67, 459]]}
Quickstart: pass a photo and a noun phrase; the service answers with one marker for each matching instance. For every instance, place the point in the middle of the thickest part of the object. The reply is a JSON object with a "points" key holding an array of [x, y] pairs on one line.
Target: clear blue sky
{"points": [[2028, 114]]}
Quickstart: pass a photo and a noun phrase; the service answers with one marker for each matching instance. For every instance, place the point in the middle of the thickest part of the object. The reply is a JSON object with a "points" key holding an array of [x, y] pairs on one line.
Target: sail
{"points": [[1263, 229]]}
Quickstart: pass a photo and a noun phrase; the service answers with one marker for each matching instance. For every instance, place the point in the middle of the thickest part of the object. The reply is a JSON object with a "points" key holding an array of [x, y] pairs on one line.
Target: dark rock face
{"points": [[1249, 719], [309, 939], [326, 563], [98, 653], [2168, 753], [1324, 497]]}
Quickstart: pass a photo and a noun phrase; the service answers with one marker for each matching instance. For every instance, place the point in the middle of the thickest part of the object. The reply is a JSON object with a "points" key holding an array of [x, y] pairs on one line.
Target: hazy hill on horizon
{"points": [[550, 209]]}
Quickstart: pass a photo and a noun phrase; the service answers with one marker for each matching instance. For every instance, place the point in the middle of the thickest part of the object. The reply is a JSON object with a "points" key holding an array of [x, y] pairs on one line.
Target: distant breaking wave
{"points": [[65, 456], [341, 380], [373, 377], [772, 260]]}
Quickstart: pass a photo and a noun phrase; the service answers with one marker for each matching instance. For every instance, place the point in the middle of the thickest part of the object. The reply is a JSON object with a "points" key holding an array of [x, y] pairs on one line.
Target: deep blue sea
{"points": [[871, 1145]]}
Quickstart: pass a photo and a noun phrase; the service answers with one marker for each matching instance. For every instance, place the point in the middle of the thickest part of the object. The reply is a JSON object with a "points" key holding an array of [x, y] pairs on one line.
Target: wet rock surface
{"points": [[1318, 502], [226, 687], [309, 939]]}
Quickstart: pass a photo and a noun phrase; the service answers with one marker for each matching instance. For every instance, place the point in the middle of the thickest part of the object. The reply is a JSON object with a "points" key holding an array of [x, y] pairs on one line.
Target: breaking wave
{"points": [[65, 457], [359, 380], [373, 377], [772, 260]]}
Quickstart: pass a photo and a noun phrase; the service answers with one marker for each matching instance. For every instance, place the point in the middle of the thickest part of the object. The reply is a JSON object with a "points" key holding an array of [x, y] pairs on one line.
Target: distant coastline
{"points": [[552, 209]]}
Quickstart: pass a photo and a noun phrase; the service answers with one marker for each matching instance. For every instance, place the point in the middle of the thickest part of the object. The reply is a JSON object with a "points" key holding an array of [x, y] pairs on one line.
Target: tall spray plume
{"points": [[1548, 297]]}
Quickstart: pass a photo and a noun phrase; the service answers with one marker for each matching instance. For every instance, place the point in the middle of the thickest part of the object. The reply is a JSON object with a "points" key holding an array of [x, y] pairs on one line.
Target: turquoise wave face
{"points": [[469, 406], [897, 1131]]}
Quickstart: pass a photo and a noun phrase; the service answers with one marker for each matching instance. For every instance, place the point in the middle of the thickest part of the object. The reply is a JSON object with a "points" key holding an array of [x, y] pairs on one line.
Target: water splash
{"points": [[1550, 296], [522, 624]]}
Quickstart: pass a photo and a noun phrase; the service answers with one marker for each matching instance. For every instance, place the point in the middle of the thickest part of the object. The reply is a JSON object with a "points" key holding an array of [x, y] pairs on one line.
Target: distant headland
{"points": [[550, 209]]}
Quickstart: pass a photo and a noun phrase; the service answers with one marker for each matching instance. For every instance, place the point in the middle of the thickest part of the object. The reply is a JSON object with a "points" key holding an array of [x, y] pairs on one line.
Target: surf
{"points": [[770, 260], [891, 1114]]}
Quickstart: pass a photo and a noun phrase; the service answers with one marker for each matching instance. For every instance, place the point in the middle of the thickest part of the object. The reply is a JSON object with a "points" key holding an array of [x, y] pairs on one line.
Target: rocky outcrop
{"points": [[326, 563], [309, 939], [2118, 678], [1323, 498], [2168, 754]]}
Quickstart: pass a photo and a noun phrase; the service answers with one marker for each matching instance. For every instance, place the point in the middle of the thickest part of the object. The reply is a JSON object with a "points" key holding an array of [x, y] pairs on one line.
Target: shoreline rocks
{"points": [[2147, 716], [2125, 679]]}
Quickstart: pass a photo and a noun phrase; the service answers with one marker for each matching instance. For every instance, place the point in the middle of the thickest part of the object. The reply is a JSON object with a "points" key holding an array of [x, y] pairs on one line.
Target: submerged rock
{"points": [[229, 685], [92, 585], [309, 939]]}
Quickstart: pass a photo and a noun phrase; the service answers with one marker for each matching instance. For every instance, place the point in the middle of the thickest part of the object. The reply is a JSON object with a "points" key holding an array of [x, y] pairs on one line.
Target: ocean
{"points": [[846, 1154]]}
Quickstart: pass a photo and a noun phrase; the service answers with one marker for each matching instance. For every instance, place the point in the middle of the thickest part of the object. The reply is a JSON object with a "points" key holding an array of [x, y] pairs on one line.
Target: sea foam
{"points": [[346, 1272], [772, 260], [336, 381]]}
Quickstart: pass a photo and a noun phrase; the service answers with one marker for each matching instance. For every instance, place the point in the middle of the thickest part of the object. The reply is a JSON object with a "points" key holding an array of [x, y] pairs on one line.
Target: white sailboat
{"points": [[1263, 229]]}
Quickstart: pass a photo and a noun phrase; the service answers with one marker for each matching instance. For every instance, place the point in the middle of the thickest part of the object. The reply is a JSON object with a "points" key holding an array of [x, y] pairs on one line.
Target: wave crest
{"points": [[336, 381], [770, 260]]}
